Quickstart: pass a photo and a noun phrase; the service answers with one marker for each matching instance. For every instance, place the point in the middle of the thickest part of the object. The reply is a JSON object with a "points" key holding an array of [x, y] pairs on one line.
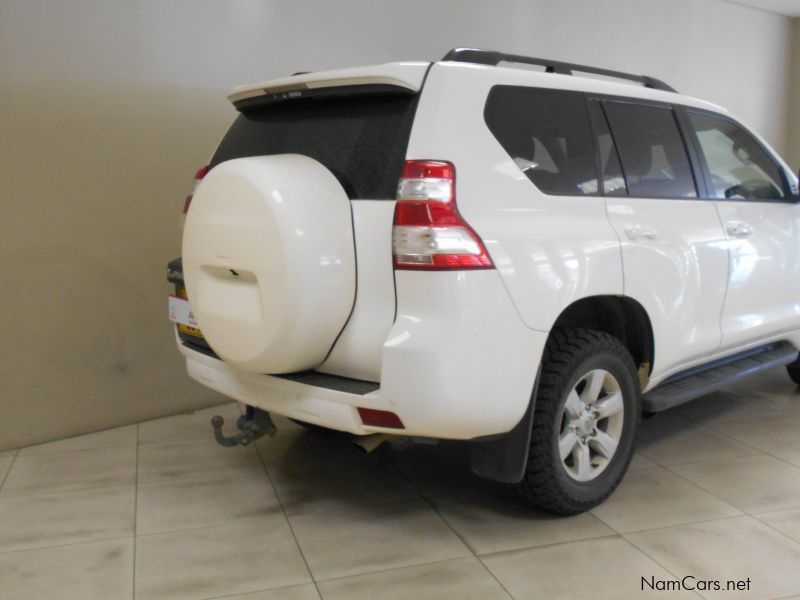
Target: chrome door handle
{"points": [[738, 229], [639, 232]]}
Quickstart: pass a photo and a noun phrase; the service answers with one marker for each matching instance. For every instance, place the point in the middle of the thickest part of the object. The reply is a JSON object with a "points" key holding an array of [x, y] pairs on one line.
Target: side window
{"points": [[739, 167], [548, 135], [653, 155], [610, 169]]}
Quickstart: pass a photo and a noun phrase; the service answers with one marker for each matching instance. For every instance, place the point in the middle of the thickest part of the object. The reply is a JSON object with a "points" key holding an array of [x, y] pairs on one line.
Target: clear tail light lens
{"points": [[429, 233]]}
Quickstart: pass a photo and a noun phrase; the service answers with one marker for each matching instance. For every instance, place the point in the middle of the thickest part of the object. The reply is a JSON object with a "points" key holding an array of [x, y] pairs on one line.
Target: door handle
{"points": [[738, 229], [639, 232]]}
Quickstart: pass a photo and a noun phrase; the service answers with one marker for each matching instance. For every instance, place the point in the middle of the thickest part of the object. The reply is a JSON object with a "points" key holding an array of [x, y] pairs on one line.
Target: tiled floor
{"points": [[158, 510]]}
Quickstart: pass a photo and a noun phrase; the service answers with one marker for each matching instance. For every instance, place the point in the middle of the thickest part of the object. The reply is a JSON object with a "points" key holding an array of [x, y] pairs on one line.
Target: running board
{"points": [[702, 380]]}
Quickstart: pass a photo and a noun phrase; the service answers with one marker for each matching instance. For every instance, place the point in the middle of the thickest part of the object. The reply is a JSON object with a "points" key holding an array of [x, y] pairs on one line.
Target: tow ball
{"points": [[253, 424]]}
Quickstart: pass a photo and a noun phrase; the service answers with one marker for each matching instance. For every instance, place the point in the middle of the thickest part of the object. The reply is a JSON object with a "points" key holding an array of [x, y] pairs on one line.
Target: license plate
{"points": [[180, 312]]}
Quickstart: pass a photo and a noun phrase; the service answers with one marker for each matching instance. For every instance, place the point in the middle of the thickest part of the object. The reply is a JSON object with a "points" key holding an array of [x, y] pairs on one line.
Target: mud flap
{"points": [[504, 457]]}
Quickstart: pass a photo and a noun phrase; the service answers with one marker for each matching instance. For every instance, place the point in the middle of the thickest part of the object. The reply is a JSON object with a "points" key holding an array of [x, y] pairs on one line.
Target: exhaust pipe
{"points": [[368, 443]]}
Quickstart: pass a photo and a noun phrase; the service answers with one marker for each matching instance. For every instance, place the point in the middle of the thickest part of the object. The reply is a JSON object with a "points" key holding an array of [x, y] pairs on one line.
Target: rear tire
{"points": [[586, 415]]}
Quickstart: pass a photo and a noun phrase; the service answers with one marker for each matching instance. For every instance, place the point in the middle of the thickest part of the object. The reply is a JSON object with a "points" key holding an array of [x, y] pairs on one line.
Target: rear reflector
{"points": [[429, 233], [198, 177], [380, 418]]}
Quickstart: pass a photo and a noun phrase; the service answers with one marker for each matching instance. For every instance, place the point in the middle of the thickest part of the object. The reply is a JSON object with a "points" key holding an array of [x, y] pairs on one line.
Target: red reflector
{"points": [[380, 418], [198, 177]]}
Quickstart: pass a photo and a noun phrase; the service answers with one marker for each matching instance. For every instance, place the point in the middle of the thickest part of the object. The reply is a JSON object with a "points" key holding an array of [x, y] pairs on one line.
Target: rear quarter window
{"points": [[548, 135]]}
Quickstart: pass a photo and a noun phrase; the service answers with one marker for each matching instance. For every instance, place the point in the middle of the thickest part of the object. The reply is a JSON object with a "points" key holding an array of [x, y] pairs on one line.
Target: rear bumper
{"points": [[458, 363], [321, 406]]}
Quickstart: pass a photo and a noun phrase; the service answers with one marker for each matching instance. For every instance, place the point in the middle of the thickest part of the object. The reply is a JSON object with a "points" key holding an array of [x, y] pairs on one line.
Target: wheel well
{"points": [[620, 316]]}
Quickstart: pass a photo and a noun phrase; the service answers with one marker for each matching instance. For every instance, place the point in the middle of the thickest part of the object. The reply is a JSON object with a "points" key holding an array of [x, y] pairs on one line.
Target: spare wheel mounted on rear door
{"points": [[269, 261]]}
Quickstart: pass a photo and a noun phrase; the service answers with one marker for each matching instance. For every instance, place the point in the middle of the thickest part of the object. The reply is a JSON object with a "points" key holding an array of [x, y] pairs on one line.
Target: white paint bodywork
{"points": [[458, 363], [459, 358], [358, 351]]}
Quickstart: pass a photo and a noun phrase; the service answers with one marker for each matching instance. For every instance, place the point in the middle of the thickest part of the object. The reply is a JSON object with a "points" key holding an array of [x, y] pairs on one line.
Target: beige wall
{"points": [[793, 155], [109, 108]]}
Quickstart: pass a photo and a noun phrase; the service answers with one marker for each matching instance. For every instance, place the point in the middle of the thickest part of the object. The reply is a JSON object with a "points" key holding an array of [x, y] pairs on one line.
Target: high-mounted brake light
{"points": [[429, 233], [198, 177]]}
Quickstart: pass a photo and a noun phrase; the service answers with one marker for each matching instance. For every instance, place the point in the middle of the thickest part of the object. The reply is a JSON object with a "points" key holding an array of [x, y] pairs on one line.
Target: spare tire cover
{"points": [[269, 261]]}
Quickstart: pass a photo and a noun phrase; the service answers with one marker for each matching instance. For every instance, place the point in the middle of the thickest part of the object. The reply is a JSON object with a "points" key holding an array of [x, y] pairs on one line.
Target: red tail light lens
{"points": [[380, 418], [198, 177], [429, 233]]}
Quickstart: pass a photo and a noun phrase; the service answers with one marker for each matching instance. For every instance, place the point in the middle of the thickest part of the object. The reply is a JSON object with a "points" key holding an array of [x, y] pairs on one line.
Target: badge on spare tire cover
{"points": [[268, 261]]}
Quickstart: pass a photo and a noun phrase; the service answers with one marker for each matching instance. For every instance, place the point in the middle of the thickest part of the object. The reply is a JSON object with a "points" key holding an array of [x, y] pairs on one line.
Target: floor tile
{"points": [[750, 483], [774, 382], [194, 425], [606, 568], [216, 561], [71, 471], [785, 521], [5, 466], [217, 500], [500, 520], [8, 453], [373, 538], [66, 518], [336, 482], [656, 498], [439, 470], [777, 433], [93, 571], [730, 549], [461, 579], [669, 439], [729, 405], [303, 446], [193, 459], [639, 462], [790, 457], [119, 436], [296, 592]]}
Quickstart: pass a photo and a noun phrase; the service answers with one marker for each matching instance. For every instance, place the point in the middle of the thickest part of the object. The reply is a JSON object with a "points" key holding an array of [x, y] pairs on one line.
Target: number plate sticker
{"points": [[181, 312]]}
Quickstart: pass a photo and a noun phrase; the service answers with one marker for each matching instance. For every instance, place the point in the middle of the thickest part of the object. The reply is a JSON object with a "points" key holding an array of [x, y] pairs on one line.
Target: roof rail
{"points": [[492, 58]]}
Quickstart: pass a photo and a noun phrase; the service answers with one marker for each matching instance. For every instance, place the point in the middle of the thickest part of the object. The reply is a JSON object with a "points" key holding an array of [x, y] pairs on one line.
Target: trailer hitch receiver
{"points": [[255, 423]]}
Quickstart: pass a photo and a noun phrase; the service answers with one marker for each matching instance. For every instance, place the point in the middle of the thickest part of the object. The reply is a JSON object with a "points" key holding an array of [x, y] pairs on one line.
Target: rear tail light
{"points": [[198, 177], [429, 233]]}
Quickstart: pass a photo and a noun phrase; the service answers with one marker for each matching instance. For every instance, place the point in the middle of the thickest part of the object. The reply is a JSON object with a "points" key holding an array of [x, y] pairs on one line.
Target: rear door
{"points": [[750, 192], [675, 261]]}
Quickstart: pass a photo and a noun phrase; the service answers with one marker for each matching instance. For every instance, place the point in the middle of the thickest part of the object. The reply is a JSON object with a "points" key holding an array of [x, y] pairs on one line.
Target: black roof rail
{"points": [[493, 58]]}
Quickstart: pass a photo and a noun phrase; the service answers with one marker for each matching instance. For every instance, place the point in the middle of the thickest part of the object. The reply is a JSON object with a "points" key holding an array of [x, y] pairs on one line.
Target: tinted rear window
{"points": [[362, 140], [651, 148], [547, 133]]}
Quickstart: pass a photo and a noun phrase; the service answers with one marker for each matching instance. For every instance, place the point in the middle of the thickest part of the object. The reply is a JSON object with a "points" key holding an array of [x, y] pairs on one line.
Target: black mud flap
{"points": [[504, 457]]}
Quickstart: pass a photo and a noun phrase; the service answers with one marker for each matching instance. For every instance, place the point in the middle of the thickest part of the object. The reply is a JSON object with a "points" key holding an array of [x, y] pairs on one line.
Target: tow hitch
{"points": [[253, 424]]}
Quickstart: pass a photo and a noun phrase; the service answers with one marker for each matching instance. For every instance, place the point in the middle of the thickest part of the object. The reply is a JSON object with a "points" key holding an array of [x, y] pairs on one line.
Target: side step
{"points": [[702, 380]]}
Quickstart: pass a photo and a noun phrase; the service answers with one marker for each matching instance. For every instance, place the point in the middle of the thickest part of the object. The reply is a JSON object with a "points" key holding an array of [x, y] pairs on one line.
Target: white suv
{"points": [[525, 259]]}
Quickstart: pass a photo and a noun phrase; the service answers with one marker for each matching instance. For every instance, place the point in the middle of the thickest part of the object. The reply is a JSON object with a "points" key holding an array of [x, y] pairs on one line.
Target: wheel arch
{"points": [[621, 316]]}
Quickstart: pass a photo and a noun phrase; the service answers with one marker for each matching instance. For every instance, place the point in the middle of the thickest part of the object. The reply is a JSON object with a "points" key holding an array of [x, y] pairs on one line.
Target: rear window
{"points": [[652, 151], [362, 140], [547, 133]]}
